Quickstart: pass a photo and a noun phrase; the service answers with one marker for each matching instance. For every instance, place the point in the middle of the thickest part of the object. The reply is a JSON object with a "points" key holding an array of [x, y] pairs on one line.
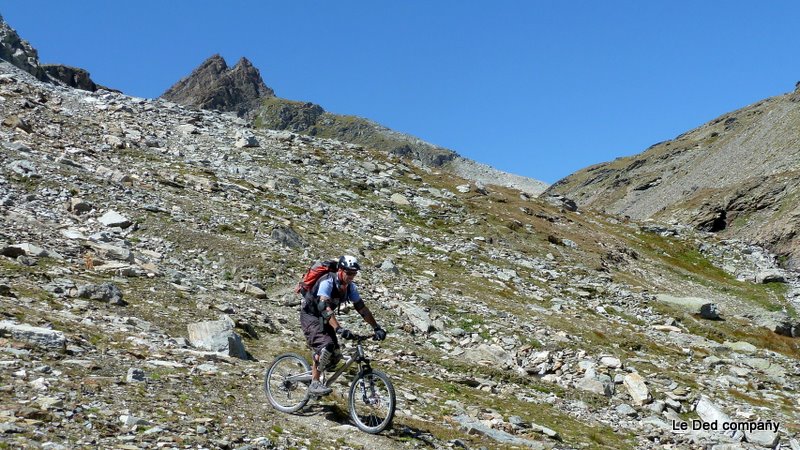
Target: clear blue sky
{"points": [[538, 88]]}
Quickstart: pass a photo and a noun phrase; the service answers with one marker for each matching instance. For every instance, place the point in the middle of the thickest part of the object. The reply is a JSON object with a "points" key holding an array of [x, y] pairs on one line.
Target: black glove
{"points": [[345, 333], [380, 333]]}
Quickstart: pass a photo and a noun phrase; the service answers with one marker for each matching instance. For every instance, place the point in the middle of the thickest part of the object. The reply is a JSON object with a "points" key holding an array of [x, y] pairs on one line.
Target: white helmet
{"points": [[348, 262]]}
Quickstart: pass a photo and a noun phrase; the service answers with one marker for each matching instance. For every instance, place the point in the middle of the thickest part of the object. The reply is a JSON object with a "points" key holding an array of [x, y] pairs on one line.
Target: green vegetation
{"points": [[688, 263]]}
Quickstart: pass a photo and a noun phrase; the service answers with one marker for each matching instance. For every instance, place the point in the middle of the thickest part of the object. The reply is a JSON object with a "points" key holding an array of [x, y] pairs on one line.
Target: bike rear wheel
{"points": [[284, 393], [372, 401]]}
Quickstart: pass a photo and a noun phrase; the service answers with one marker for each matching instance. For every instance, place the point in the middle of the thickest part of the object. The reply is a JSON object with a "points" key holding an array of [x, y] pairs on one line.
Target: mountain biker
{"points": [[319, 322]]}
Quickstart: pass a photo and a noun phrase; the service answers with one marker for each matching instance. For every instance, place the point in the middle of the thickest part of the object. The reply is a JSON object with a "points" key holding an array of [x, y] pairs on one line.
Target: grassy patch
{"points": [[733, 330], [571, 430], [682, 259]]}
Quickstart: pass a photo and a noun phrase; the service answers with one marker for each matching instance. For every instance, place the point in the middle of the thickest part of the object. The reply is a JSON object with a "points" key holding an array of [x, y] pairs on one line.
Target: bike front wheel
{"points": [[372, 401], [286, 382]]}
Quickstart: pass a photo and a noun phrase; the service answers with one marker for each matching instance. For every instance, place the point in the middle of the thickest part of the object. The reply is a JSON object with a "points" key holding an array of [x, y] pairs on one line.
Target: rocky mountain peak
{"points": [[213, 85], [244, 64], [19, 52]]}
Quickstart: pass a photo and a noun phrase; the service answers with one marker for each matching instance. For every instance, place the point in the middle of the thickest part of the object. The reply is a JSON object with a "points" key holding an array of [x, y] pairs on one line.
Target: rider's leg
{"points": [[314, 369], [317, 337], [325, 356], [316, 387]]}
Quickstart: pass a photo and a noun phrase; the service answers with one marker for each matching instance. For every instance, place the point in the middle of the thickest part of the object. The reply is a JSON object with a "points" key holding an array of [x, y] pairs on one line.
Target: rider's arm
{"points": [[366, 314], [359, 305], [327, 312]]}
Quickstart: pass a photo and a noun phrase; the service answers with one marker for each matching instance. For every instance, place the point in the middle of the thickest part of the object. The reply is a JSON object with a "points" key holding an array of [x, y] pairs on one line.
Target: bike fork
{"points": [[368, 390]]}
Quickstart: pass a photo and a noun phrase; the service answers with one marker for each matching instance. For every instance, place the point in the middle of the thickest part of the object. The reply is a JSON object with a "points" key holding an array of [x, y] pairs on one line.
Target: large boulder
{"points": [[35, 336], [28, 249], [114, 219], [596, 383], [108, 251], [695, 305], [217, 336], [637, 388], [711, 413], [420, 319], [287, 236], [105, 292], [490, 354]]}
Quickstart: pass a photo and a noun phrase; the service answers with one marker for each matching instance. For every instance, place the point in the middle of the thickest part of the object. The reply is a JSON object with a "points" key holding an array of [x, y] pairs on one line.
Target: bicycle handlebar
{"points": [[362, 337]]}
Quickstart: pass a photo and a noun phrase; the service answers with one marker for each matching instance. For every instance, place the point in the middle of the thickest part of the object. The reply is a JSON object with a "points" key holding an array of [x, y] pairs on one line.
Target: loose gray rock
{"points": [[599, 384], [474, 426], [105, 292], [490, 354], [35, 336], [28, 249], [217, 336], [418, 317], [255, 291], [389, 266], [709, 412], [765, 438], [79, 206], [399, 199], [5, 291], [626, 410], [770, 276], [50, 403], [287, 237], [9, 428], [24, 168], [115, 219], [709, 311], [637, 388], [135, 375], [741, 347], [246, 139], [108, 251], [129, 420]]}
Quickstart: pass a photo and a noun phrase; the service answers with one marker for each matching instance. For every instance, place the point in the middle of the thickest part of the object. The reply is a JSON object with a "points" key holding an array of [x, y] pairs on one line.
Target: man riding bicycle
{"points": [[319, 323]]}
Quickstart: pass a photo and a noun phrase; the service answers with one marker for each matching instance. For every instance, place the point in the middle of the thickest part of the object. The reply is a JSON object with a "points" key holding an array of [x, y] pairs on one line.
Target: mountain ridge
{"points": [[734, 175], [269, 111]]}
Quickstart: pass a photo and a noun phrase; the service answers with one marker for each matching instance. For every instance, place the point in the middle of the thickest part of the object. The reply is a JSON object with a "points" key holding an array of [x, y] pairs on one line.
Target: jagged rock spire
{"points": [[19, 52], [213, 85]]}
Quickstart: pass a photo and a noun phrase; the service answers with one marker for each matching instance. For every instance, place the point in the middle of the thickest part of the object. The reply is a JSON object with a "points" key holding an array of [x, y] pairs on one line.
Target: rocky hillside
{"points": [[735, 176], [312, 120], [513, 322], [214, 85]]}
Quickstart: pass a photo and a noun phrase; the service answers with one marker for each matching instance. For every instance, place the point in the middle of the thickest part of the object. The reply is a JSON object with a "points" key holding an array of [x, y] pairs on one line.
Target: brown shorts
{"points": [[317, 335]]}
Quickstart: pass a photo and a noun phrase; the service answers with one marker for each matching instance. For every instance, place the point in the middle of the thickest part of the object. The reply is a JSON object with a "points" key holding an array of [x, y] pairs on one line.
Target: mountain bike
{"points": [[371, 401]]}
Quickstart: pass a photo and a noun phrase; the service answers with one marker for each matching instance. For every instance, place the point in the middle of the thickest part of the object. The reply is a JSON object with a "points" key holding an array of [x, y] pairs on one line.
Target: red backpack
{"points": [[315, 272]]}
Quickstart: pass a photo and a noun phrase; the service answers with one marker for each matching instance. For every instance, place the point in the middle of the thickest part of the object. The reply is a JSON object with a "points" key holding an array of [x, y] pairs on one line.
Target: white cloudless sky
{"points": [[537, 88]]}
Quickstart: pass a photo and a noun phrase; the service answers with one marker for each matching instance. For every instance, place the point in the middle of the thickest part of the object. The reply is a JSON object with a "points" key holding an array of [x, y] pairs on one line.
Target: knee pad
{"points": [[325, 356]]}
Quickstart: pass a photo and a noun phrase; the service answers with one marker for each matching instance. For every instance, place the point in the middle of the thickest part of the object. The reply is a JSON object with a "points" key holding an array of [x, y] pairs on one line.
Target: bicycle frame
{"points": [[358, 356]]}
